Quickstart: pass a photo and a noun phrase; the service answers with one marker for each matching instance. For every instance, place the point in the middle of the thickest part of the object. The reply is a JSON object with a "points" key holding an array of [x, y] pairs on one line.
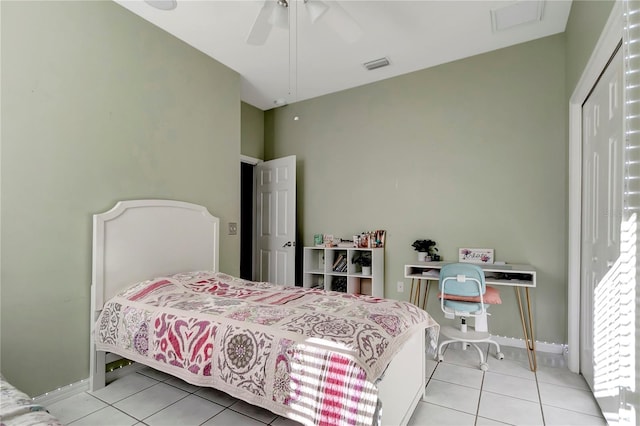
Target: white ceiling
{"points": [[309, 60]]}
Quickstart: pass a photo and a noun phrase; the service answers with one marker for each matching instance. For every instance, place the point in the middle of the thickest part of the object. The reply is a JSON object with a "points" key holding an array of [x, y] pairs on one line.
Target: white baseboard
{"points": [[61, 393], [555, 348], [81, 386]]}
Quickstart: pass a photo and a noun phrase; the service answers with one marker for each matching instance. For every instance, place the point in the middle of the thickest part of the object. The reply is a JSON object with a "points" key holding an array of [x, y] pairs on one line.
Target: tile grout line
{"points": [[166, 406], [475, 422], [483, 393], [93, 412], [535, 373], [126, 414], [224, 408]]}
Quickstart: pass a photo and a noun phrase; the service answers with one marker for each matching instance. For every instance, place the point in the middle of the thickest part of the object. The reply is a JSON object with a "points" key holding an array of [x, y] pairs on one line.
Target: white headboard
{"points": [[142, 239]]}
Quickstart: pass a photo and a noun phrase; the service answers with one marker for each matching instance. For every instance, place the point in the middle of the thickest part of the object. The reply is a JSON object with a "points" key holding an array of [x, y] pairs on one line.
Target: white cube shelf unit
{"points": [[319, 270]]}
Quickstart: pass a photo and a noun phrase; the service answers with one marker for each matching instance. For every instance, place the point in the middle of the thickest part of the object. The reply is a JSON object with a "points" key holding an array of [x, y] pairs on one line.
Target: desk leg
{"points": [[527, 328], [415, 298], [411, 292], [426, 295]]}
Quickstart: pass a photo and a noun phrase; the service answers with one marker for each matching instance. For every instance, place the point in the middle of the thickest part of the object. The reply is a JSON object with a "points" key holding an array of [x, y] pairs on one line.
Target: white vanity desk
{"points": [[512, 275]]}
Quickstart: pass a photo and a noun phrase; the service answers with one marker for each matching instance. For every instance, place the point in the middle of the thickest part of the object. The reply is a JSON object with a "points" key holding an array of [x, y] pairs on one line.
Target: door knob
{"points": [[288, 244]]}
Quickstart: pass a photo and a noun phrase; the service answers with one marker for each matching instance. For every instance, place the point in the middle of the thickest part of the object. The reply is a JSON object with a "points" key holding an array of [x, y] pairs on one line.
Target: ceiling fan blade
{"points": [[261, 27], [280, 17], [342, 23], [162, 4], [315, 9]]}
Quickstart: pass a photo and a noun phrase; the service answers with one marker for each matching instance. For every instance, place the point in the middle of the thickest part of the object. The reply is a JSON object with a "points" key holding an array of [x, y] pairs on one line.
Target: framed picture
{"points": [[475, 255]]}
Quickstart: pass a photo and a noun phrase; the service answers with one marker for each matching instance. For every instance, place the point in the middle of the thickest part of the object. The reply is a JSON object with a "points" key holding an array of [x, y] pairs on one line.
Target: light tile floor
{"points": [[458, 393]]}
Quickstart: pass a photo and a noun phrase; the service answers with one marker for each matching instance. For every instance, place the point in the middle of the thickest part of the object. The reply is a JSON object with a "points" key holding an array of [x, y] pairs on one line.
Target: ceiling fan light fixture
{"points": [[340, 21], [280, 16], [315, 9], [162, 4]]}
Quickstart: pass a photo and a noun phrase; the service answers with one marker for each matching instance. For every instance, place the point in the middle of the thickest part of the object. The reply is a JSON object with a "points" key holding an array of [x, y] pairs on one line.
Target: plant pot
{"points": [[366, 270], [422, 256]]}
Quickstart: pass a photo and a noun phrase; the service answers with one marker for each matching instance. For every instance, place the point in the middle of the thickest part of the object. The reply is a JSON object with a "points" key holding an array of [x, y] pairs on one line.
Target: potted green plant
{"points": [[364, 260], [426, 250]]}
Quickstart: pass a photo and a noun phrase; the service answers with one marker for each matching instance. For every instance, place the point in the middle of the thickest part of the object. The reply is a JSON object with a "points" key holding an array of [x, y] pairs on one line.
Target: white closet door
{"points": [[602, 210]]}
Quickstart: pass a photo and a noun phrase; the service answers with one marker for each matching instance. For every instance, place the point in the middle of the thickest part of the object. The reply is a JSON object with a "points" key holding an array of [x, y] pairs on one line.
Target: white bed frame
{"points": [[143, 239]]}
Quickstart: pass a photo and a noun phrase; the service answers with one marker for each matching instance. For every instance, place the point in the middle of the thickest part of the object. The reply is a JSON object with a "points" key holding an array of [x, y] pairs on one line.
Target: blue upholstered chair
{"points": [[462, 294]]}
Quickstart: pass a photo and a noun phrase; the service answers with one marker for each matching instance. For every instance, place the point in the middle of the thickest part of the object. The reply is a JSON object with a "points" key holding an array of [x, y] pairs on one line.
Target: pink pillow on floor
{"points": [[491, 297]]}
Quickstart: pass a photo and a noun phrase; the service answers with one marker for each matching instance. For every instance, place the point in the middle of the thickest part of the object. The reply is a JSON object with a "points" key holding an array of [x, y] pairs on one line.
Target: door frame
{"points": [[606, 45], [252, 161]]}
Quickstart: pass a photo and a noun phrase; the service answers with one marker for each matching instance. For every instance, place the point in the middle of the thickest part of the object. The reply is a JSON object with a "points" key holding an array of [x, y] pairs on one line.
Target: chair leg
{"points": [[479, 353], [441, 345], [499, 353], [483, 365]]}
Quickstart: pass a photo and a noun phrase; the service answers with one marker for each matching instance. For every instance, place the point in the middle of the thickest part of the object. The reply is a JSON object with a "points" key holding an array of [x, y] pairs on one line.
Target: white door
{"points": [[602, 210], [275, 184]]}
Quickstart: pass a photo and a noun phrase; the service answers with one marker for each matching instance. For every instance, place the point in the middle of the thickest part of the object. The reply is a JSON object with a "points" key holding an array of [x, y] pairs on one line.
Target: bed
{"points": [[17, 409], [313, 356]]}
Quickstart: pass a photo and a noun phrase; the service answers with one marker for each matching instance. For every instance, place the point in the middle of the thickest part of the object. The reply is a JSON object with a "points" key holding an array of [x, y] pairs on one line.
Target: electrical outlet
{"points": [[400, 286], [233, 228]]}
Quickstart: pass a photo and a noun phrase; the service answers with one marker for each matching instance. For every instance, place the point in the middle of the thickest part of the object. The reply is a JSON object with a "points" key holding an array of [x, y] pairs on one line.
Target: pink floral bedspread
{"points": [[307, 354]]}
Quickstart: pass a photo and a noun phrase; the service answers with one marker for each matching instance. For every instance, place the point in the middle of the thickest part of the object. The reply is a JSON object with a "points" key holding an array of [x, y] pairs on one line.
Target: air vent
{"points": [[518, 13], [378, 63]]}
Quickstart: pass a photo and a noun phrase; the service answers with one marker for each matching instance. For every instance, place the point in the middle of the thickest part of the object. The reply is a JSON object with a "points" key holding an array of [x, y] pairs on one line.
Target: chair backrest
{"points": [[450, 273], [462, 279]]}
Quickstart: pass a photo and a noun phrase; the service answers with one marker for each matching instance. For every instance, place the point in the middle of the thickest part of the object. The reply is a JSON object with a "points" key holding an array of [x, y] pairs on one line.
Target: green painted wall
{"points": [[252, 133], [585, 24], [470, 154], [98, 105]]}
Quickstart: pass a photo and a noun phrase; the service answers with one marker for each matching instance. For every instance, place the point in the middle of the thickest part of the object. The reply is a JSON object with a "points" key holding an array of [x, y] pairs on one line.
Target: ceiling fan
{"points": [[276, 13]]}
